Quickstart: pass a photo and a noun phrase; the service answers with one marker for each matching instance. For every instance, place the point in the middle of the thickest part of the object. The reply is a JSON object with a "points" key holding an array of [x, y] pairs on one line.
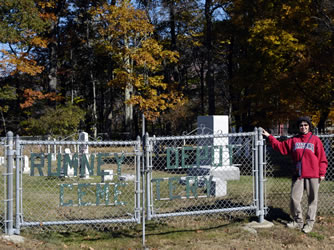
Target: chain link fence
{"points": [[201, 175], [84, 185]]}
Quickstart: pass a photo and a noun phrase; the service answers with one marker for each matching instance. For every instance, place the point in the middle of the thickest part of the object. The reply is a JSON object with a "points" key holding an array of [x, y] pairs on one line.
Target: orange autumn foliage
{"points": [[31, 96]]}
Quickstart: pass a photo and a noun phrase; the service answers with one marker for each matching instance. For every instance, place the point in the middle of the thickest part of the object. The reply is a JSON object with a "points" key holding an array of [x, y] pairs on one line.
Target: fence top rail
{"points": [[93, 143], [325, 136], [217, 135]]}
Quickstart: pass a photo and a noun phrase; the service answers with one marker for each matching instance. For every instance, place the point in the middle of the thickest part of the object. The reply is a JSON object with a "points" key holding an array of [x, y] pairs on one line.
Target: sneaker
{"points": [[295, 225], [307, 228]]}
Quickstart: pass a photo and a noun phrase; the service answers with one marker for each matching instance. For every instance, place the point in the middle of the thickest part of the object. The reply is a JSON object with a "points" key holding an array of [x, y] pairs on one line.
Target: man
{"points": [[308, 154]]}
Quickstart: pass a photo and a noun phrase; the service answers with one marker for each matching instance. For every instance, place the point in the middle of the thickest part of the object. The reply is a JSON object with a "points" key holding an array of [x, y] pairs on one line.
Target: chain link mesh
{"points": [[195, 175], [82, 185]]}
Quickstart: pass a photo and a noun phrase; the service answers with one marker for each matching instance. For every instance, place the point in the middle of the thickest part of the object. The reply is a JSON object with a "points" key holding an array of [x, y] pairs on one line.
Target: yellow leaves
{"points": [[157, 103], [20, 63], [151, 54], [122, 20], [262, 26], [286, 9], [49, 4], [46, 10], [121, 78], [39, 42], [277, 44], [48, 16]]}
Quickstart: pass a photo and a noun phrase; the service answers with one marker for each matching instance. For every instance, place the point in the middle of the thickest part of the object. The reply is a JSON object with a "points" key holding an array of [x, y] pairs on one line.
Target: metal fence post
{"points": [[147, 175], [256, 170], [138, 175], [261, 179], [18, 183], [9, 198], [143, 174]]}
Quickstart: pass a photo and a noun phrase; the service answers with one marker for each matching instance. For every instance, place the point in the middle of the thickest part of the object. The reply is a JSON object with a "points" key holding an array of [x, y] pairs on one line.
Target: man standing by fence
{"points": [[308, 154]]}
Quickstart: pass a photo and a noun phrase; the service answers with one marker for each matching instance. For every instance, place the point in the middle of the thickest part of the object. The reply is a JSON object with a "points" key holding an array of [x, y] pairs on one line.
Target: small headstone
{"points": [[84, 149], [127, 177], [109, 176], [26, 168]]}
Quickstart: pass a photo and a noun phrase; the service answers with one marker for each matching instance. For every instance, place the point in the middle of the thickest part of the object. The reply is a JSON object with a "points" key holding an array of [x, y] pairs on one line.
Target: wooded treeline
{"points": [[97, 66]]}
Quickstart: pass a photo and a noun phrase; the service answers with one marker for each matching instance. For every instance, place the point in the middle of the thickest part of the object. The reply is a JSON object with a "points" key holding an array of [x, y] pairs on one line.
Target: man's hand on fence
{"points": [[322, 178]]}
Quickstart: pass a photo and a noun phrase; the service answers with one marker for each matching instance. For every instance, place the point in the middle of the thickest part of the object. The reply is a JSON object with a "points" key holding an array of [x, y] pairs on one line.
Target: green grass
{"points": [[204, 232]]}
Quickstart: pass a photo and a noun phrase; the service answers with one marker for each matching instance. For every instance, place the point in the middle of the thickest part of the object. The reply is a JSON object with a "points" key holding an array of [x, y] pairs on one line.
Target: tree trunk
{"points": [[3, 122], [92, 79], [208, 44], [53, 58], [94, 106], [202, 88], [127, 95]]}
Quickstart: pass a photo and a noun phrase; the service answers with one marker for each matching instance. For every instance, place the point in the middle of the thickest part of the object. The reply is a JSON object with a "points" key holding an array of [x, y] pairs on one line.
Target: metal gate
{"points": [[73, 183], [204, 174]]}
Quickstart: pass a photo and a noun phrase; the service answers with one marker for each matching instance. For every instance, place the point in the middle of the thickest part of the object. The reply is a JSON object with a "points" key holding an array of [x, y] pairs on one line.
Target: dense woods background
{"points": [[98, 66]]}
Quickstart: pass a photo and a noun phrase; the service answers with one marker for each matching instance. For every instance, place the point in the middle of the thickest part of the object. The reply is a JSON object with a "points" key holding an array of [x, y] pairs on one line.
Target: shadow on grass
{"points": [[278, 215], [169, 230], [219, 204]]}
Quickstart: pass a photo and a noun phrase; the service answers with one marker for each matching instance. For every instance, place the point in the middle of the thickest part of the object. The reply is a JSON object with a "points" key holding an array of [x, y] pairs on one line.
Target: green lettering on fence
{"points": [[184, 156], [230, 152], [119, 161], [157, 181], [172, 187], [202, 155], [34, 165], [208, 183], [85, 163], [213, 153], [50, 165], [102, 193], [176, 153], [117, 192], [81, 194], [100, 162], [191, 187], [61, 195]]}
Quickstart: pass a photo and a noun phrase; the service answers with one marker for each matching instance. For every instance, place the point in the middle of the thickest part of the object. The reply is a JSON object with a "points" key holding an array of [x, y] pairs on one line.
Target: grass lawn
{"points": [[199, 233]]}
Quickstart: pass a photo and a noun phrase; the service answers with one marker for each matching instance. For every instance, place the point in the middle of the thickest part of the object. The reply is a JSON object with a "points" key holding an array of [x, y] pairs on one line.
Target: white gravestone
{"points": [[219, 167], [26, 168], [84, 149], [70, 171], [109, 176]]}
